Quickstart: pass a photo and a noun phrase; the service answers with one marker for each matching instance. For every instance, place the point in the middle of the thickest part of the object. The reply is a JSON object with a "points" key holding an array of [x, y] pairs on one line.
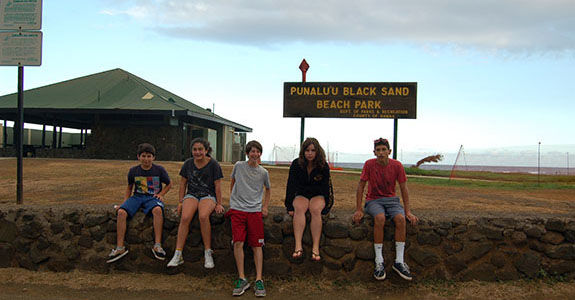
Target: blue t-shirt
{"points": [[148, 182]]}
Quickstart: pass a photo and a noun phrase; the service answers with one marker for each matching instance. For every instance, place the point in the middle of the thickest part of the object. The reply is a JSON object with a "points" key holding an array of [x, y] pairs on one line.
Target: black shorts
{"points": [[309, 195]]}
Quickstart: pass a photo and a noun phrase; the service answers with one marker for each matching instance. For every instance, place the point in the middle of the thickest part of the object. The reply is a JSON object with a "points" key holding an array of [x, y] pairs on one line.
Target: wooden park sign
{"points": [[391, 100]]}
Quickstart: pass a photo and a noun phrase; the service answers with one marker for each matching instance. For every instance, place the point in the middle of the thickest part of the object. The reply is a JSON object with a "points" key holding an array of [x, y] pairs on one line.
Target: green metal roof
{"points": [[110, 90]]}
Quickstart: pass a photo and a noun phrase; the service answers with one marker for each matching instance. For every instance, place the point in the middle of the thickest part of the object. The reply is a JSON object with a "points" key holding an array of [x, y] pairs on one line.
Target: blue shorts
{"points": [[200, 198], [145, 202], [389, 206]]}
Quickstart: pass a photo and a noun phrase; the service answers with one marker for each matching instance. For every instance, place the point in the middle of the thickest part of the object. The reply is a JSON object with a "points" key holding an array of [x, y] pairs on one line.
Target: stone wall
{"points": [[494, 247]]}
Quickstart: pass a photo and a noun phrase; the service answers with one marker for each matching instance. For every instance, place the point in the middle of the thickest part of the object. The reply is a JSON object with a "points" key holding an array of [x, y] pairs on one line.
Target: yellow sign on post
{"points": [[388, 100]]}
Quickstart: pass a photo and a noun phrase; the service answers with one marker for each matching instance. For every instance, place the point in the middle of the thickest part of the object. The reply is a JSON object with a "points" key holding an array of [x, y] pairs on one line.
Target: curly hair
{"points": [[319, 160]]}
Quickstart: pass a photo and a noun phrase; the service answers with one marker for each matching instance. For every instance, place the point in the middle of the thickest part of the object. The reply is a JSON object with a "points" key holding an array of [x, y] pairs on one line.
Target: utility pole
{"points": [[538, 163]]}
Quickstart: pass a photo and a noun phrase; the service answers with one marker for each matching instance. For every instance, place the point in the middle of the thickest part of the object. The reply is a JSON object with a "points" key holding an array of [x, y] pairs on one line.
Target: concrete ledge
{"points": [[448, 246]]}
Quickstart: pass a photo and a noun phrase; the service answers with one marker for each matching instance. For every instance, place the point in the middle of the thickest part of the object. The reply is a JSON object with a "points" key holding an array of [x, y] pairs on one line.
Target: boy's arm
{"points": [[164, 191], [128, 191], [232, 182], [267, 196], [219, 207], [405, 196], [359, 201]]}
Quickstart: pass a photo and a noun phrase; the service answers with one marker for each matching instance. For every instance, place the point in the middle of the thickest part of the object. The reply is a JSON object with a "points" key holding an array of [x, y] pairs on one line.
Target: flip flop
{"points": [[297, 253], [315, 257]]}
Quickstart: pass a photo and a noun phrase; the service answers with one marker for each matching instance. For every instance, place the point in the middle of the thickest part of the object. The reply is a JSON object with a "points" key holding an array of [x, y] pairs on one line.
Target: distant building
{"points": [[115, 111]]}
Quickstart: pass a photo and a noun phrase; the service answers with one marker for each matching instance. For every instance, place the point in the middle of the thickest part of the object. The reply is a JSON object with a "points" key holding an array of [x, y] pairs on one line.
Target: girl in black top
{"points": [[200, 190], [308, 188]]}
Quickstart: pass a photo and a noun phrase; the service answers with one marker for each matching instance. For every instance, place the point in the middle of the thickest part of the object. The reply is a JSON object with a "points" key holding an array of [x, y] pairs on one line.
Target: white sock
{"points": [[178, 253], [399, 249], [120, 248], [378, 248]]}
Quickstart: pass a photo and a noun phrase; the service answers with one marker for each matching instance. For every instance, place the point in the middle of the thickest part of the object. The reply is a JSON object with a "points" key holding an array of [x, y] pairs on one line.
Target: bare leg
{"points": [[158, 223], [189, 208], [121, 227], [259, 261], [400, 224], [301, 205], [206, 207], [239, 255], [315, 207], [379, 221]]}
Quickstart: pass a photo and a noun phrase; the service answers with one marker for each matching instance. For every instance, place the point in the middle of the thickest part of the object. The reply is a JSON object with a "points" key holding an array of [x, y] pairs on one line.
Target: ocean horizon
{"points": [[495, 169]]}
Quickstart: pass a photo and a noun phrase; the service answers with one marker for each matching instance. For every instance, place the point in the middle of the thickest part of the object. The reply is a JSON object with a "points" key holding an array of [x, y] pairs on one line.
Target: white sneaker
{"points": [[176, 260], [117, 254], [208, 259]]}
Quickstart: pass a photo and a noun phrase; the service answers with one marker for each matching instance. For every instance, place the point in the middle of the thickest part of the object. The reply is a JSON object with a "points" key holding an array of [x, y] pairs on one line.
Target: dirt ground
{"points": [[24, 284], [59, 181]]}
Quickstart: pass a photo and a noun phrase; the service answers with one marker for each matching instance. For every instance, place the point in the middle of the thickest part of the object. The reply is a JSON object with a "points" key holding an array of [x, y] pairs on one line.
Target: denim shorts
{"points": [[390, 206], [190, 196], [145, 202]]}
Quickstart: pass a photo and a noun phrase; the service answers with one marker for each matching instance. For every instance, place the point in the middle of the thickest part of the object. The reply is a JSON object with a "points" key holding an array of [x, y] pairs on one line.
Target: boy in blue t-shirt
{"points": [[145, 180]]}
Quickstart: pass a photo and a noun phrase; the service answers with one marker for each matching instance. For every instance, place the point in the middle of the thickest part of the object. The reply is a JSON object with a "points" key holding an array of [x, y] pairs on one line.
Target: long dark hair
{"points": [[319, 160], [204, 142]]}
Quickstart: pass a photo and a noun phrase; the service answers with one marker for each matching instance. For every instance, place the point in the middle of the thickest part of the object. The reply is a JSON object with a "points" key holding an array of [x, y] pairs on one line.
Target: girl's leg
{"points": [[189, 208], [205, 209], [315, 207], [301, 205]]}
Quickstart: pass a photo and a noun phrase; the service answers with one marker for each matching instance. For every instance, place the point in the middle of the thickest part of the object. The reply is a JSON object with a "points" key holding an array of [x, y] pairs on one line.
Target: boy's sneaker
{"points": [[403, 270], [176, 260], [116, 254], [159, 252], [208, 259], [379, 272], [241, 285], [260, 290]]}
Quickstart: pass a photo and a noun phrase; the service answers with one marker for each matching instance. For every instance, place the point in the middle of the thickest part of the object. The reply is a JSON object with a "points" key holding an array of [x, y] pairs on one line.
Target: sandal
{"points": [[315, 257], [297, 253]]}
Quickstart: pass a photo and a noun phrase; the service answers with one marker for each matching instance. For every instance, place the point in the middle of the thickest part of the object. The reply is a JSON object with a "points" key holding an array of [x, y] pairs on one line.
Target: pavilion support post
{"points": [[60, 138]]}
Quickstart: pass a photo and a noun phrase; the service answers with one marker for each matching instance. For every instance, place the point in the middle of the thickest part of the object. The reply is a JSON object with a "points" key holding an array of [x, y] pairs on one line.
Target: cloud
{"points": [[488, 25]]}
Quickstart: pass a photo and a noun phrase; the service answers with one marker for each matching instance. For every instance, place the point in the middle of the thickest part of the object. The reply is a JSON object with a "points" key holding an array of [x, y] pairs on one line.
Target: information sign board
{"points": [[21, 48], [21, 14]]}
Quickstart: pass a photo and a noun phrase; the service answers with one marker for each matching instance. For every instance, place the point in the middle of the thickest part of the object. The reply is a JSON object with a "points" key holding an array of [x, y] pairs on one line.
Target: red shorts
{"points": [[252, 221]]}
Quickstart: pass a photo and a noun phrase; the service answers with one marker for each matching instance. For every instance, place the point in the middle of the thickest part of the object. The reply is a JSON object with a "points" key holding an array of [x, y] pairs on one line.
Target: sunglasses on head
{"points": [[380, 140]]}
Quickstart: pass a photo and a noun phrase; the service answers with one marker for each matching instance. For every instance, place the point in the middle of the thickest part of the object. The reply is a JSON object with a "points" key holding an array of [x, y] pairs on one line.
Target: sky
{"points": [[492, 74]]}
